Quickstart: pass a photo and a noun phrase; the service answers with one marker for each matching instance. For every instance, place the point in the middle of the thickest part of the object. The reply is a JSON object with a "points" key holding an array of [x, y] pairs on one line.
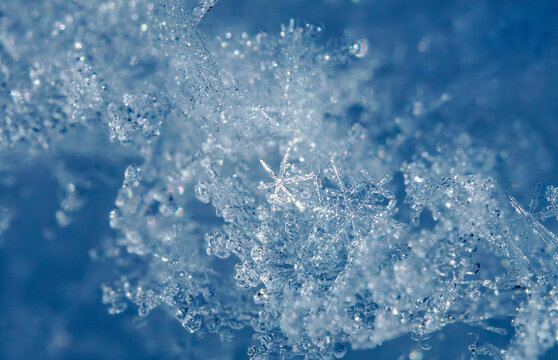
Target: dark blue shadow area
{"points": [[50, 292]]}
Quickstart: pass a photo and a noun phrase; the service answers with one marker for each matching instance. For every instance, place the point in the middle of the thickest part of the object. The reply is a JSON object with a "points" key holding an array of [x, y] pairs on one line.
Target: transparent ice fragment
{"points": [[217, 245], [189, 319], [531, 217], [114, 299]]}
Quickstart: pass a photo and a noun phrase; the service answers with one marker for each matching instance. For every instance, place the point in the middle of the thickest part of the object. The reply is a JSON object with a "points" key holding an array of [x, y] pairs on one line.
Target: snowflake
{"points": [[281, 181]]}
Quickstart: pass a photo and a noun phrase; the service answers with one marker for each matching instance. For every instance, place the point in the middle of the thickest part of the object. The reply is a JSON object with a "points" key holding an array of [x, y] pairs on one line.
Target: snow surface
{"points": [[278, 180]]}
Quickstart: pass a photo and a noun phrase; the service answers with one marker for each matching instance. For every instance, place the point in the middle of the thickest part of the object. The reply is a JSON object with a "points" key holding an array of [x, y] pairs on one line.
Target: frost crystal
{"points": [[272, 184]]}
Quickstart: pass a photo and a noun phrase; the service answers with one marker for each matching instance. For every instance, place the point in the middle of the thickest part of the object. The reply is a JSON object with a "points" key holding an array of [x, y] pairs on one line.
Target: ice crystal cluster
{"points": [[285, 184]]}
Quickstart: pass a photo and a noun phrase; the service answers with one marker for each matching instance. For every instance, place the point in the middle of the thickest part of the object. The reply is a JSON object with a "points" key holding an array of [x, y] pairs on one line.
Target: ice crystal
{"points": [[270, 185]]}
